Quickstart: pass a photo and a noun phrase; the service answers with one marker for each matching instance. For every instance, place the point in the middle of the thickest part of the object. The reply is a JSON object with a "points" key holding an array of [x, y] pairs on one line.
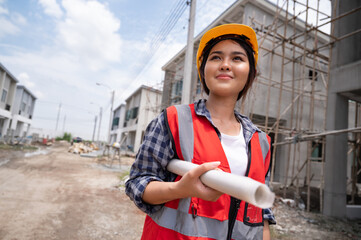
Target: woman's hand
{"points": [[190, 184]]}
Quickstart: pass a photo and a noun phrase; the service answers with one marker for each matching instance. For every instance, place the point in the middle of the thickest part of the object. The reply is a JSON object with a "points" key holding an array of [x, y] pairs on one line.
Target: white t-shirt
{"points": [[236, 153]]}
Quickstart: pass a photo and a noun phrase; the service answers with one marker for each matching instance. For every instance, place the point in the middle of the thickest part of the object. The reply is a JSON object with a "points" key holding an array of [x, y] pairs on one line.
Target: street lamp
{"points": [[111, 108]]}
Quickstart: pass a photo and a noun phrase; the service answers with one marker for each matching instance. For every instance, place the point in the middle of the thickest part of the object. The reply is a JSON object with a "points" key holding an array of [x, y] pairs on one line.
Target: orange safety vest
{"points": [[195, 139]]}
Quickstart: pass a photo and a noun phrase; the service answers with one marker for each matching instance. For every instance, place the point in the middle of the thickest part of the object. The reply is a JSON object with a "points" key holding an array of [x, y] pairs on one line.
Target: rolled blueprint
{"points": [[243, 188]]}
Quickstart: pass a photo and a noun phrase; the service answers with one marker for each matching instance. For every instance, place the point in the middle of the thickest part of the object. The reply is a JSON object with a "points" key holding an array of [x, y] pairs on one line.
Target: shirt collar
{"points": [[201, 110]]}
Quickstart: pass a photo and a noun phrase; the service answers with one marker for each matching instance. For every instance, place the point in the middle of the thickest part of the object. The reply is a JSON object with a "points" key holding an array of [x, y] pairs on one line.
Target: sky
{"points": [[60, 49]]}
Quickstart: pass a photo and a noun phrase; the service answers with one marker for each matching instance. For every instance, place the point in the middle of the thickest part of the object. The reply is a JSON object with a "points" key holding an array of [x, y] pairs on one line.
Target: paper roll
{"points": [[243, 188]]}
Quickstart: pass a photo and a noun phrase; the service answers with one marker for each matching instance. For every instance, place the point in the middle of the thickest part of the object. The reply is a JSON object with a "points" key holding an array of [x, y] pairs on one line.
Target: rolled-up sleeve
{"points": [[150, 163]]}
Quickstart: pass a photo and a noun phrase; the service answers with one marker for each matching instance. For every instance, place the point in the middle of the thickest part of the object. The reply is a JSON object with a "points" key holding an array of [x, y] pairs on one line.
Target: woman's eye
{"points": [[214, 57], [237, 58]]}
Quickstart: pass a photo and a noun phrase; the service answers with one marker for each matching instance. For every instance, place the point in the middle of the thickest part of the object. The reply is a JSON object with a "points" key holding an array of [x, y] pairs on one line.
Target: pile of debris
{"points": [[297, 224], [79, 148]]}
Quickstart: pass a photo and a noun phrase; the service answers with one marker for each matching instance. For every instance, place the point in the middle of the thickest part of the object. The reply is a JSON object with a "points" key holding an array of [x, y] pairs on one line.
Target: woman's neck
{"points": [[221, 108], [222, 114]]}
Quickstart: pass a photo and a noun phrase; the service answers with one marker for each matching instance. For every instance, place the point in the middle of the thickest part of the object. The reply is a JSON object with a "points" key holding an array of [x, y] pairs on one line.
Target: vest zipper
{"points": [[235, 203], [233, 211], [194, 211]]}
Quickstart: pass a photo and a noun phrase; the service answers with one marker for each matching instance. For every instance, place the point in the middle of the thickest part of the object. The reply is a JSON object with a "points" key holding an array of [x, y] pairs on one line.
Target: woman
{"points": [[212, 134]]}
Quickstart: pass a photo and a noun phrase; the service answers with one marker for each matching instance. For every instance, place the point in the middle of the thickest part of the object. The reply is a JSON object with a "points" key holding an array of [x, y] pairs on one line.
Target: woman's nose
{"points": [[225, 66]]}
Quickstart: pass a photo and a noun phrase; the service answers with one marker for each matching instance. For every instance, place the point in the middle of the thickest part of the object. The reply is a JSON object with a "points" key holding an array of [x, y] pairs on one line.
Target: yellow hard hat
{"points": [[233, 28]]}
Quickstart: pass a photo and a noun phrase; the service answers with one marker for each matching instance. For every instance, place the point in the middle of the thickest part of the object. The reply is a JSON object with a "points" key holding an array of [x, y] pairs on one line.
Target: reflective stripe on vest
{"points": [[263, 140], [176, 217], [185, 224], [186, 136]]}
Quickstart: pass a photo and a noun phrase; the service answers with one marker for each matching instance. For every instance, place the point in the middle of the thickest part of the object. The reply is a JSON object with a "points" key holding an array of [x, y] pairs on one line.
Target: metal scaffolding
{"points": [[304, 51]]}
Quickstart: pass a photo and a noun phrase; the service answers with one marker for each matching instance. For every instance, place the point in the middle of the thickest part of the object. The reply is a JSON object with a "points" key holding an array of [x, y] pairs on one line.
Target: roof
{"points": [[8, 72], [119, 106], [145, 88], [26, 90]]}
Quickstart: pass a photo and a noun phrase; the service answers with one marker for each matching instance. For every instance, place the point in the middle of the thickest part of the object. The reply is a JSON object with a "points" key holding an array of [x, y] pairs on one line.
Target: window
{"points": [[316, 154], [310, 74], [177, 88], [29, 110], [176, 92], [30, 105], [134, 113], [4, 94], [23, 105], [127, 115], [115, 123]]}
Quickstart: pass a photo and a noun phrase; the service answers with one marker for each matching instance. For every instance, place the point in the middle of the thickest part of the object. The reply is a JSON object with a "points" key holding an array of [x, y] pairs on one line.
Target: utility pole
{"points": [[111, 109], [64, 123], [100, 122], [111, 116], [188, 63], [57, 119], [95, 126]]}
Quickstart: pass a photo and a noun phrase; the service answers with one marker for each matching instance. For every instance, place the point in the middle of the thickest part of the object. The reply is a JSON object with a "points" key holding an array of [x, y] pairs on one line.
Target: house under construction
{"points": [[307, 95]]}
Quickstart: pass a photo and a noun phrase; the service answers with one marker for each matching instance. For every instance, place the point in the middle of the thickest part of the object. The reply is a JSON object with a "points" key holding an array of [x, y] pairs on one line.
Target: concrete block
{"points": [[353, 211]]}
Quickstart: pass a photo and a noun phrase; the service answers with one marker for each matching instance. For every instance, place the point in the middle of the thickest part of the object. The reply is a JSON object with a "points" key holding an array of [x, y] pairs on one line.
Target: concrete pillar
{"points": [[336, 157], [5, 127], [12, 128], [19, 129], [137, 138], [2, 84], [14, 123], [2, 129], [27, 129]]}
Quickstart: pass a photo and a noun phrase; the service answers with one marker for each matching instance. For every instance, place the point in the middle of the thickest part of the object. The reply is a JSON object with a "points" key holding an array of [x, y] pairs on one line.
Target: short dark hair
{"points": [[242, 41]]}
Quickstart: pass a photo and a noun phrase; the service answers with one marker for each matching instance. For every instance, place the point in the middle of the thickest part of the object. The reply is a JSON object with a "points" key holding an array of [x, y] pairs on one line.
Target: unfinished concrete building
{"points": [[307, 96]]}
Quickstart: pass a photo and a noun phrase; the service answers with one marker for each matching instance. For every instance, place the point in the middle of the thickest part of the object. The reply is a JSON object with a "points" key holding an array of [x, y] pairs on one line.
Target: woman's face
{"points": [[226, 70]]}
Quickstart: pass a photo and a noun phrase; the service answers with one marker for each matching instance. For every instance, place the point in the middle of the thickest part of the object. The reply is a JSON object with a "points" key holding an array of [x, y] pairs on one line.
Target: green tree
{"points": [[66, 137]]}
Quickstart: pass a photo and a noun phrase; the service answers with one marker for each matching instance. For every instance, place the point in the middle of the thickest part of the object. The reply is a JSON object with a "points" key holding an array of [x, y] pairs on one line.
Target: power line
{"points": [[67, 105], [165, 28], [169, 24], [80, 120]]}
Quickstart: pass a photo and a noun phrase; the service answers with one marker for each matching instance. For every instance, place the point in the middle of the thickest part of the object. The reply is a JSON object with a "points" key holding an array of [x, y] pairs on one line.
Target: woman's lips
{"points": [[224, 76]]}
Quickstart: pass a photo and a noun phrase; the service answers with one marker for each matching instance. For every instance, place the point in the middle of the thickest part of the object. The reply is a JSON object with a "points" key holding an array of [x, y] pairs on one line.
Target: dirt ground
{"points": [[53, 194], [59, 195]]}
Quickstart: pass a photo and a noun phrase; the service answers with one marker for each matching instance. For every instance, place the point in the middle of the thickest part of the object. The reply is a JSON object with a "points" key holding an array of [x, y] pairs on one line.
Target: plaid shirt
{"points": [[156, 152]]}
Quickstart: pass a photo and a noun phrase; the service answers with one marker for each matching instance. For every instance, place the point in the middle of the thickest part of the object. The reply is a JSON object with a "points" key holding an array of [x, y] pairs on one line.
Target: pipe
{"points": [[243, 188]]}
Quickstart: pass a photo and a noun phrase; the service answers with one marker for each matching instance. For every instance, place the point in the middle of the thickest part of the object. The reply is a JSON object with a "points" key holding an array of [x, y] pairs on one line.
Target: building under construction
{"points": [[306, 97]]}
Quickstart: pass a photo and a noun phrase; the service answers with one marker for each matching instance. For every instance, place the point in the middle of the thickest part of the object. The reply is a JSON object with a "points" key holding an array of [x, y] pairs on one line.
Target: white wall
{"points": [[149, 108]]}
